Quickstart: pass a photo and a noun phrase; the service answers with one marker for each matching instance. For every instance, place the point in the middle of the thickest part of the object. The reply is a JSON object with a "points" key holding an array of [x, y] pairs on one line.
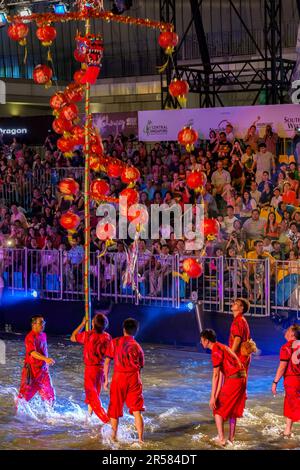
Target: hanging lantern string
{"points": [[85, 14]]}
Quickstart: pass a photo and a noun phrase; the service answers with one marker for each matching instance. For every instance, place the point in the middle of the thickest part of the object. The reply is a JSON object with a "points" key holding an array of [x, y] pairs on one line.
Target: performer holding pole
{"points": [[35, 374], [95, 344], [289, 368], [126, 385], [228, 398]]}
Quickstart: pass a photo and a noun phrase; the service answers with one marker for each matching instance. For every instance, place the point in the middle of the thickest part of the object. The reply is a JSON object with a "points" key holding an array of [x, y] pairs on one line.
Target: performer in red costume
{"points": [[228, 397], [239, 331], [126, 385], [95, 344], [289, 368], [35, 374]]}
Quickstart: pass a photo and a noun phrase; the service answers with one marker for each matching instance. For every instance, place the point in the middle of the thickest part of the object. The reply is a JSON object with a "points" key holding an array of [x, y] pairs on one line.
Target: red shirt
{"points": [[127, 354], [290, 353], [36, 342], [95, 345], [227, 360], [239, 328]]}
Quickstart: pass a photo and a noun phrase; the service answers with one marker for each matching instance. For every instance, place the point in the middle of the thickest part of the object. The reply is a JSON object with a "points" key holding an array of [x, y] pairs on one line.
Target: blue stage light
{"points": [[3, 19], [190, 306], [34, 294], [60, 9]]}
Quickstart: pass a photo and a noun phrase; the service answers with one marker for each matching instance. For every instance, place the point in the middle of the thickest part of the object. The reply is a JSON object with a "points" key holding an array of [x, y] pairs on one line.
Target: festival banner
{"points": [[32, 130], [116, 123], [165, 125]]}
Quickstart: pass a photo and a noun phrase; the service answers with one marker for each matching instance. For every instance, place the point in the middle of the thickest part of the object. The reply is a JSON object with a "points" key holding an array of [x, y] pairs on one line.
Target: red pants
{"points": [[292, 397], [93, 379], [125, 388], [232, 399], [37, 382]]}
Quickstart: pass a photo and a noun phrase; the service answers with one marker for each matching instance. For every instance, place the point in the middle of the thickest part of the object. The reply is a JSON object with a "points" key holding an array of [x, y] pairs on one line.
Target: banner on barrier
{"points": [[165, 125]]}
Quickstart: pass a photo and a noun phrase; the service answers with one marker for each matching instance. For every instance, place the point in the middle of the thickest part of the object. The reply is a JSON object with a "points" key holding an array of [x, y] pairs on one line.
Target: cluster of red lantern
{"points": [[42, 75], [68, 186], [211, 228], [46, 34], [192, 268], [187, 137], [99, 189], [179, 89], [18, 32], [105, 231], [69, 221], [196, 180], [168, 40], [130, 175]]}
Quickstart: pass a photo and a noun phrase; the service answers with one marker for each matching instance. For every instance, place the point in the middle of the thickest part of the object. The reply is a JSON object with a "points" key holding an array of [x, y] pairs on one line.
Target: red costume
{"points": [[232, 397], [95, 345], [126, 386], [290, 353], [240, 328], [35, 374]]}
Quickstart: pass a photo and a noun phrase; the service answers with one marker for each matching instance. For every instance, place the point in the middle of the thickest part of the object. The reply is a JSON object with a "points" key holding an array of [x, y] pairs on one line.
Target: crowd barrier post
{"points": [[61, 274], [267, 287], [220, 279], [26, 270]]}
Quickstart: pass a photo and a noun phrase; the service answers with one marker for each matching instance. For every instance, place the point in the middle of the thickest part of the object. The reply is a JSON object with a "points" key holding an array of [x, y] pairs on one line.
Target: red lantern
{"points": [[137, 216], [61, 125], [130, 175], [69, 220], [78, 135], [74, 92], [192, 268], [58, 100], [131, 194], [187, 137], [211, 227], [46, 34], [78, 76], [114, 169], [179, 89], [99, 188], [18, 32], [196, 180], [68, 186], [168, 40], [42, 75], [105, 231], [95, 163], [97, 149], [69, 112], [66, 145]]}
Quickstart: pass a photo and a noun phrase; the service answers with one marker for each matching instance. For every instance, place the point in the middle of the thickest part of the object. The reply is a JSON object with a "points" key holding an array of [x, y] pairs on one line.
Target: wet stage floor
{"points": [[176, 389]]}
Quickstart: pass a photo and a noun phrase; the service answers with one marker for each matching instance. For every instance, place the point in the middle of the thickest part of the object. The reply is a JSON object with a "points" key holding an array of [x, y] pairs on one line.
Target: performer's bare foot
{"points": [[219, 442], [90, 410]]}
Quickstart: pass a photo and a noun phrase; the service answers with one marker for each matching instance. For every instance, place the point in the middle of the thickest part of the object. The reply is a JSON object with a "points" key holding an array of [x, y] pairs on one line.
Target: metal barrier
{"points": [[21, 194], [270, 286]]}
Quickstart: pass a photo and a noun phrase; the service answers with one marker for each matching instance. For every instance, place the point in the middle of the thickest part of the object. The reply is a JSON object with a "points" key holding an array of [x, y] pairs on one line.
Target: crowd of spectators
{"points": [[252, 192]]}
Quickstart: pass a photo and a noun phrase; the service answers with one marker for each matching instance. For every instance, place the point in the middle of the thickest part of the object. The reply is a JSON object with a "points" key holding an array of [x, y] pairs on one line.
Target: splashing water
{"points": [[176, 389]]}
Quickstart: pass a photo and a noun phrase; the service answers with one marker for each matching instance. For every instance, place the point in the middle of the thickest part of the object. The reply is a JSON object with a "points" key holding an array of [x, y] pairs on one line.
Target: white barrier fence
{"points": [[270, 287]]}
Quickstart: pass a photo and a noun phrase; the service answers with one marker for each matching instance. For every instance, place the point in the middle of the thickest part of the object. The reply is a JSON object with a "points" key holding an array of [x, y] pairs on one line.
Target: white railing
{"points": [[270, 287]]}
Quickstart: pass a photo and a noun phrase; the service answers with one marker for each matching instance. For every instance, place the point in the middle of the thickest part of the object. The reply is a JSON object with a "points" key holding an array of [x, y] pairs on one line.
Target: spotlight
{"points": [[60, 8], [190, 306], [3, 19], [34, 294]]}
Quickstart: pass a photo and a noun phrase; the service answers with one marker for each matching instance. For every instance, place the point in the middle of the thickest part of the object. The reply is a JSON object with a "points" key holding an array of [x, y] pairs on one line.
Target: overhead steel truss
{"points": [[266, 71]]}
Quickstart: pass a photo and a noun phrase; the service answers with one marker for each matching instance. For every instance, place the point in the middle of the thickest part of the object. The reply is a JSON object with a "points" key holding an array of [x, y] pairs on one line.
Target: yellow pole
{"points": [[87, 228]]}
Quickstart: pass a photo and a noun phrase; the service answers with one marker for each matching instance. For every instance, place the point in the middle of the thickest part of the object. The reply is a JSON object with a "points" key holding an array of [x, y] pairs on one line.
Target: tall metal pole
{"points": [[87, 228]]}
